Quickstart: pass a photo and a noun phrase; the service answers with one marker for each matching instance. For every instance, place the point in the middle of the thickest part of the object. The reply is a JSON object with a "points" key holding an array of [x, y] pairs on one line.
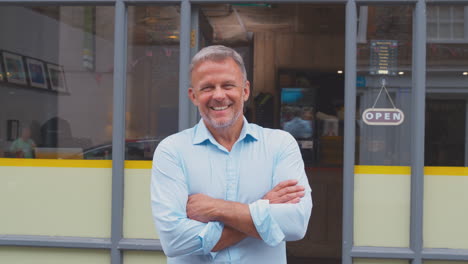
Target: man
{"points": [[298, 126], [23, 147], [226, 191]]}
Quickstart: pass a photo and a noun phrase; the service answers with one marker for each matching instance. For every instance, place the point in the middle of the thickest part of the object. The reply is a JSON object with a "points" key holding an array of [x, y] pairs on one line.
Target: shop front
{"points": [[375, 93]]}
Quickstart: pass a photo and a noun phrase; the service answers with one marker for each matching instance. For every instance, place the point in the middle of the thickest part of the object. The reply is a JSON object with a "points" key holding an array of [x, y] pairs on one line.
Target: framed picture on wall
{"points": [[57, 78], [14, 68], [2, 73], [37, 73], [12, 129]]}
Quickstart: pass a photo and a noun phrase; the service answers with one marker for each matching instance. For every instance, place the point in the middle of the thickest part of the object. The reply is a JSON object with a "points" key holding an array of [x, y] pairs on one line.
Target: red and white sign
{"points": [[383, 116]]}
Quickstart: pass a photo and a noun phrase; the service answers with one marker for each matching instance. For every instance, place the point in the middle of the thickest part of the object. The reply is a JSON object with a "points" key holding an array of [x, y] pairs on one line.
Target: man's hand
{"points": [[285, 192], [202, 208]]}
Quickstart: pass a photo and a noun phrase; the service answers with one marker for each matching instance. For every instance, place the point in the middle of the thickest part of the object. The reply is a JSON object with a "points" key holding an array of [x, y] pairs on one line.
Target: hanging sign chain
{"points": [[386, 91]]}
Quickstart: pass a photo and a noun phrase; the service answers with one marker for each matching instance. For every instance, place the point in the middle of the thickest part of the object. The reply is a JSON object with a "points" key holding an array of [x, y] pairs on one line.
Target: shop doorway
{"points": [[294, 56]]}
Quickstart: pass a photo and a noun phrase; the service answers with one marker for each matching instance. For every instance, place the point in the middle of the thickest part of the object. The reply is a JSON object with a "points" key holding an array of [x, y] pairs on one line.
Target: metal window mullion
{"points": [[466, 133], [54, 242], [465, 25], [140, 244], [417, 133], [184, 61], [349, 128], [118, 129], [445, 254], [382, 252]]}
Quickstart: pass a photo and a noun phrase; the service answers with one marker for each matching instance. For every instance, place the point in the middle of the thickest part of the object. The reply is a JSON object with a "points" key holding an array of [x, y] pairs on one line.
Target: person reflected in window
{"points": [[298, 127], [23, 147]]}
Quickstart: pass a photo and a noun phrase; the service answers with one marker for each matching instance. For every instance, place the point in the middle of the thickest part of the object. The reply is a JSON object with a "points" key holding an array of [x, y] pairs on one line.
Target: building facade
{"points": [[375, 92]]}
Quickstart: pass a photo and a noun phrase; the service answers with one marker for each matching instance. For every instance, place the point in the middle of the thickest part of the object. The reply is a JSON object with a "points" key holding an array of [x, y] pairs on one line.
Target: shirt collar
{"points": [[201, 133]]}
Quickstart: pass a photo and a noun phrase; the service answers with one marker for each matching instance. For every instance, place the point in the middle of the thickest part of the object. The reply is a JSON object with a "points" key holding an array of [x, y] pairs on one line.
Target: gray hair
{"points": [[218, 53]]}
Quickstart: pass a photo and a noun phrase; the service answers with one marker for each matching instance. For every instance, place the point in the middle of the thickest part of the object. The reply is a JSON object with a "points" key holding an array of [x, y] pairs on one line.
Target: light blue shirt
{"points": [[192, 161]]}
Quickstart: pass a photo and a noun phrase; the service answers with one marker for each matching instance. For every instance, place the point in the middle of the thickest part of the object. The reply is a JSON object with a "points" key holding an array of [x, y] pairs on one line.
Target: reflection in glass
{"points": [[56, 70], [446, 141], [384, 81], [152, 78]]}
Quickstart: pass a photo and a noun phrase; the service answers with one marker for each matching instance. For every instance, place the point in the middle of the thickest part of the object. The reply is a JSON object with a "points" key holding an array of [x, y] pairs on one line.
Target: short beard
{"points": [[215, 124]]}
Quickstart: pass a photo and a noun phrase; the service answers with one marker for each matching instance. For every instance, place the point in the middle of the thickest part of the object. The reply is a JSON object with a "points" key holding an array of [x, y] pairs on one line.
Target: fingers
{"points": [[292, 196], [284, 184], [285, 192], [290, 189], [294, 201]]}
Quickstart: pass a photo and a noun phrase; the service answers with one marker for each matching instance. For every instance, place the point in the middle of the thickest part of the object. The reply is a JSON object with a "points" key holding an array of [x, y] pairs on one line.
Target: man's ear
{"points": [[192, 96], [246, 91]]}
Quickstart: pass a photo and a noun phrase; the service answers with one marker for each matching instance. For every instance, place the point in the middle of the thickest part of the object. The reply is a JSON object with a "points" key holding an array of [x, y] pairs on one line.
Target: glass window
{"points": [[384, 85], [447, 23], [446, 100], [383, 126], [446, 144], [56, 79], [152, 78]]}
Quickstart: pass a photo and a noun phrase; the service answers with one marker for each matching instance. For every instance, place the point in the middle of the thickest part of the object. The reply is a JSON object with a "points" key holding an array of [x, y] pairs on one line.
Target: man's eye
{"points": [[206, 88], [229, 85]]}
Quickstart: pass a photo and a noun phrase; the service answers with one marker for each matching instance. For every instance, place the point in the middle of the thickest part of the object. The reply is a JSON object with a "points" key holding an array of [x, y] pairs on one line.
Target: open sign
{"points": [[383, 116]]}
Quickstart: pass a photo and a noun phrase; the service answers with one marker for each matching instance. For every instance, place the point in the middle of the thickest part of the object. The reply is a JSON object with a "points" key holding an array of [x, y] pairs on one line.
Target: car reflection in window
{"points": [[139, 149]]}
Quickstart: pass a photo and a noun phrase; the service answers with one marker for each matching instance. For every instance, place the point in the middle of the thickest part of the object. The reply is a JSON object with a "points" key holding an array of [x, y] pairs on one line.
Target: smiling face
{"points": [[219, 91]]}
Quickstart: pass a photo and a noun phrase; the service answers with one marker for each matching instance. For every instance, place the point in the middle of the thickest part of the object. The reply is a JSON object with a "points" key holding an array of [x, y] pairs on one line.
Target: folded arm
{"points": [[238, 223], [279, 222], [179, 235]]}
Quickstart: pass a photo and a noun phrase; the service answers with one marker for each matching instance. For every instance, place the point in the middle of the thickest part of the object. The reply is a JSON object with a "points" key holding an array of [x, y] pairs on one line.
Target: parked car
{"points": [[135, 149]]}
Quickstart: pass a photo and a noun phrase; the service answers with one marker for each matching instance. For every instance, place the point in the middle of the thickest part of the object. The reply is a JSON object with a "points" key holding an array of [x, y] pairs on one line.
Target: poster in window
{"points": [[37, 74], [57, 78], [14, 68], [2, 73]]}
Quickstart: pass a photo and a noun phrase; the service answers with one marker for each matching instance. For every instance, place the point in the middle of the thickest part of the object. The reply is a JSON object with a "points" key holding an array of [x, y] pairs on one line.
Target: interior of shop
{"points": [[294, 55]]}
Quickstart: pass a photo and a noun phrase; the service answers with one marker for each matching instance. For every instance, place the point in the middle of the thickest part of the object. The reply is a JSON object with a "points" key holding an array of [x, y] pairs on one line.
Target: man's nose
{"points": [[218, 93]]}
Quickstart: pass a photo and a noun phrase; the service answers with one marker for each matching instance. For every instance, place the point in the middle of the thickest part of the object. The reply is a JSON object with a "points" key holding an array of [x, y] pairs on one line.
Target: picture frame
{"points": [[57, 78], [14, 68], [37, 73], [12, 129], [2, 73]]}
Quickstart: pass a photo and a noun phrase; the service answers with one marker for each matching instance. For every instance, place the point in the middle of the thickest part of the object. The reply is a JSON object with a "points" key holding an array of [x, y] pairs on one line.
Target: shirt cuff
{"points": [[266, 226], [210, 236]]}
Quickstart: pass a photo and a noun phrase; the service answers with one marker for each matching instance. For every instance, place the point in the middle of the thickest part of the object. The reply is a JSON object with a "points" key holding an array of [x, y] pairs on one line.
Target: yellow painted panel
{"points": [[67, 163], [368, 169], [72, 163], [445, 212], [138, 164], [138, 221], [55, 201], [442, 171], [27, 255], [144, 257], [380, 261], [382, 210]]}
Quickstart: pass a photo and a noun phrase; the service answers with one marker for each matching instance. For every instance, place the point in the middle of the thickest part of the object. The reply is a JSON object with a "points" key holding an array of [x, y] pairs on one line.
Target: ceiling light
{"points": [[401, 73], [340, 72], [465, 73]]}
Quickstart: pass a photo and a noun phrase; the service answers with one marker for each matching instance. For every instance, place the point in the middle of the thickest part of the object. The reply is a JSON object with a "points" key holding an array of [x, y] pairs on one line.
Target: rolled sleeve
{"points": [[293, 219], [266, 226], [210, 236], [288, 222]]}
